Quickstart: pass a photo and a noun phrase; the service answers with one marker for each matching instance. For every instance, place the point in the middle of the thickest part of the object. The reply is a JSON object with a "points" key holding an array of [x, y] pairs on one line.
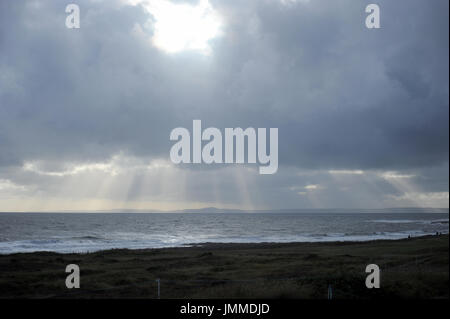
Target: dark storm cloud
{"points": [[345, 96], [342, 96]]}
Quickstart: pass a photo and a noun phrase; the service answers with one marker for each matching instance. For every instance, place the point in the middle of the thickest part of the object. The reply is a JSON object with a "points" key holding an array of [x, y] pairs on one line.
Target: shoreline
{"points": [[415, 268], [215, 245], [331, 241]]}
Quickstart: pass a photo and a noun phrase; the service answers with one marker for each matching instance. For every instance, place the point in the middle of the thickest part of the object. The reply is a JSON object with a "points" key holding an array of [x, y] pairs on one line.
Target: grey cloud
{"points": [[342, 96]]}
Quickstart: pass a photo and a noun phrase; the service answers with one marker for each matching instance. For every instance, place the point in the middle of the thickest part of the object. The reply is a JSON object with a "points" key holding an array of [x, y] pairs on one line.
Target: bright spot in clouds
{"points": [[182, 27], [312, 187], [346, 172], [393, 175]]}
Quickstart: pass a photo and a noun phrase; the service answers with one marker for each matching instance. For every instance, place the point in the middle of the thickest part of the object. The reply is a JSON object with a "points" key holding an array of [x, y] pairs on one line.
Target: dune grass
{"points": [[412, 268]]}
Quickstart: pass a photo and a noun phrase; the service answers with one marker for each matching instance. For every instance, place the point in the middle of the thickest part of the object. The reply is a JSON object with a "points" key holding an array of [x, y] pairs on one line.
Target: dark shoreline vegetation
{"points": [[416, 268]]}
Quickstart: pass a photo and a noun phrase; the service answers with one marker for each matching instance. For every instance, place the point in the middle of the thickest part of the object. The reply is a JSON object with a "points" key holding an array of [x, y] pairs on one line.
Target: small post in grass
{"points": [[159, 288]]}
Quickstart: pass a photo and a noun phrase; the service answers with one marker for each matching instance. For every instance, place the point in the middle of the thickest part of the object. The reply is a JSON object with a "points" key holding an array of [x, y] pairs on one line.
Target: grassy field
{"points": [[410, 268]]}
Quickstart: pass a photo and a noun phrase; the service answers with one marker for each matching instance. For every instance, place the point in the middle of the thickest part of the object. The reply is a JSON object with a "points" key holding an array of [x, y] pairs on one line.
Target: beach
{"points": [[415, 268]]}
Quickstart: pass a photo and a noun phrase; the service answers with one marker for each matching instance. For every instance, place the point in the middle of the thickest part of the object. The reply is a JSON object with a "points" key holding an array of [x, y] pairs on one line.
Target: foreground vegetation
{"points": [[410, 268]]}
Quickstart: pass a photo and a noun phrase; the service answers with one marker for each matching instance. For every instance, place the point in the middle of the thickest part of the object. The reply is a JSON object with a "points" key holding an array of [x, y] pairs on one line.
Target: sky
{"points": [[86, 114]]}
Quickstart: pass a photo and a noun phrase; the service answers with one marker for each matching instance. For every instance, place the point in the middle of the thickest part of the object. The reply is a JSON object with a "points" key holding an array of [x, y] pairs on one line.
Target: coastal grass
{"points": [[416, 268]]}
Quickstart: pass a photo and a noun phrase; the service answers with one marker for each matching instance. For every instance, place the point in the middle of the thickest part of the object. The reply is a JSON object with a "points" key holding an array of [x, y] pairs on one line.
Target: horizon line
{"points": [[188, 210]]}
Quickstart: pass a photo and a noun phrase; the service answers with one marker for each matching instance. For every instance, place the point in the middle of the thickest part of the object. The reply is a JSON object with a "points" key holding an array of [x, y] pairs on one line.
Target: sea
{"points": [[89, 232]]}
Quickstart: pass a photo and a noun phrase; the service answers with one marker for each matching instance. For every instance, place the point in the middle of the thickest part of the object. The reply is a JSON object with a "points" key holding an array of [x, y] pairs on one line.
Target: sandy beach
{"points": [[410, 268]]}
